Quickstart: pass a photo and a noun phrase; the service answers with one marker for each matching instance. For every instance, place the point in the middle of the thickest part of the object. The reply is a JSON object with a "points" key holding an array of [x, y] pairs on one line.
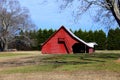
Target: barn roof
{"points": [[91, 44]]}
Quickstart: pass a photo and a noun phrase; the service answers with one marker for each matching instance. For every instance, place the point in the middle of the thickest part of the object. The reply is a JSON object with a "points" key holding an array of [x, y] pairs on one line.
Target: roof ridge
{"points": [[79, 39]]}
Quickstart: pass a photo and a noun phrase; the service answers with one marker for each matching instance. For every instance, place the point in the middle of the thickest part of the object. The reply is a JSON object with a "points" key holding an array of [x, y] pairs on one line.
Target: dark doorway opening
{"points": [[79, 48]]}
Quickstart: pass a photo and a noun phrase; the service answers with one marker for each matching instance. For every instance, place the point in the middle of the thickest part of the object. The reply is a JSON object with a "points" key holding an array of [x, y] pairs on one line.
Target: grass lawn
{"points": [[72, 62], [10, 54]]}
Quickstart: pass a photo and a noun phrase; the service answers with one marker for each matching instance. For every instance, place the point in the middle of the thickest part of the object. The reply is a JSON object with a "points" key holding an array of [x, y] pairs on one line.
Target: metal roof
{"points": [[90, 44]]}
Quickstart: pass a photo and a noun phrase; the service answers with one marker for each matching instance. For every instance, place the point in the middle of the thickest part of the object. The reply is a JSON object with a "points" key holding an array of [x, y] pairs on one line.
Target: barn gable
{"points": [[64, 41]]}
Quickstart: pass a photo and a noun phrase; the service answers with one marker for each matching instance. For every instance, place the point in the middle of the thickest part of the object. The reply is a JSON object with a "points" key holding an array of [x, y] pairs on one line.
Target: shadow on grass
{"points": [[72, 59], [78, 62], [93, 60], [58, 64], [80, 59], [107, 56], [68, 62]]}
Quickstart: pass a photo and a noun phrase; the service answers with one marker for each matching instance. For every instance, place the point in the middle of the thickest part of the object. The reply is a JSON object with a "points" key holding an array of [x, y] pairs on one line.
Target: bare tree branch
{"points": [[110, 9], [13, 19]]}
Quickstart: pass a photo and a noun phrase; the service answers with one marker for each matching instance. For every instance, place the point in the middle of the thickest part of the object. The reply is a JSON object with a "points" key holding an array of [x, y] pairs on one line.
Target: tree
{"points": [[90, 36], [79, 33], [13, 20], [100, 39], [106, 12], [43, 35], [113, 39]]}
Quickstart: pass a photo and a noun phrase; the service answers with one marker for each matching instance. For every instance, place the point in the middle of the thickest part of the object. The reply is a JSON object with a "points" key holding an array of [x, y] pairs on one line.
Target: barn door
{"points": [[79, 48]]}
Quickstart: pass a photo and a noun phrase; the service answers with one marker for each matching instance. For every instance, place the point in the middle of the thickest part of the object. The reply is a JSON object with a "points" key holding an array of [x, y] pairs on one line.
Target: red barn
{"points": [[64, 41]]}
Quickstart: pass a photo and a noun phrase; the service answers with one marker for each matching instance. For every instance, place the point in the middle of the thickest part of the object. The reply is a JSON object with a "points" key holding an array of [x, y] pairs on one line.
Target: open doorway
{"points": [[78, 48]]}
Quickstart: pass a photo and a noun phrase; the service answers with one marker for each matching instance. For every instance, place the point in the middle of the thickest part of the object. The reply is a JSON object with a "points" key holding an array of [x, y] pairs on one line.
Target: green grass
{"points": [[73, 62], [10, 54], [28, 69]]}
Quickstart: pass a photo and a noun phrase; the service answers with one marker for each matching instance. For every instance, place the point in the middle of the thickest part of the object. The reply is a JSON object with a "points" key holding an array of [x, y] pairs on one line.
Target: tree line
{"points": [[111, 41]]}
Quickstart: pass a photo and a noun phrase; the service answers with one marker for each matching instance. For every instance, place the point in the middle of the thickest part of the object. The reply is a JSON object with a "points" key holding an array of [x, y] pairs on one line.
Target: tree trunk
{"points": [[116, 11], [3, 44], [115, 16]]}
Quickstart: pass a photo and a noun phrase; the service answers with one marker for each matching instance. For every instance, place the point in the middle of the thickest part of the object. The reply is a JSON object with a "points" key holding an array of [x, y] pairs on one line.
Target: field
{"points": [[32, 65]]}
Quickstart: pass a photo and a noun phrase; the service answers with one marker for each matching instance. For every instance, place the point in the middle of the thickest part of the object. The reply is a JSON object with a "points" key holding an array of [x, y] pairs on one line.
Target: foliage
{"points": [[36, 38], [43, 35], [100, 39], [113, 39], [97, 36]]}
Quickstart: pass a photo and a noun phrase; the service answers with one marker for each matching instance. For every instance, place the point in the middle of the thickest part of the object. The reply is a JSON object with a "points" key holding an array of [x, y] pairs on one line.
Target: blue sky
{"points": [[47, 15]]}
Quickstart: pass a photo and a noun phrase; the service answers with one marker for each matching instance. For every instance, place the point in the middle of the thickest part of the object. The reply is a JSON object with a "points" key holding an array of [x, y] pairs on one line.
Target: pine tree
{"points": [[100, 39], [113, 39]]}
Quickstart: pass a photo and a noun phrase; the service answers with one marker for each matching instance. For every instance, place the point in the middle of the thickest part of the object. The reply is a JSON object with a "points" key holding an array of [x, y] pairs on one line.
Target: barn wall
{"points": [[91, 50], [52, 46]]}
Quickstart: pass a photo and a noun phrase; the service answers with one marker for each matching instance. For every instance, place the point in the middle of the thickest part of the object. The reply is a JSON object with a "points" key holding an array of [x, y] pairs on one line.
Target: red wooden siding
{"points": [[91, 50], [60, 43]]}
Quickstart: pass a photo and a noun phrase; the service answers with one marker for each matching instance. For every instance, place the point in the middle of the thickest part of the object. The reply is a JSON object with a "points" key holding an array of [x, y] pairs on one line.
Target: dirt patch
{"points": [[76, 75], [16, 62], [118, 60], [22, 61]]}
